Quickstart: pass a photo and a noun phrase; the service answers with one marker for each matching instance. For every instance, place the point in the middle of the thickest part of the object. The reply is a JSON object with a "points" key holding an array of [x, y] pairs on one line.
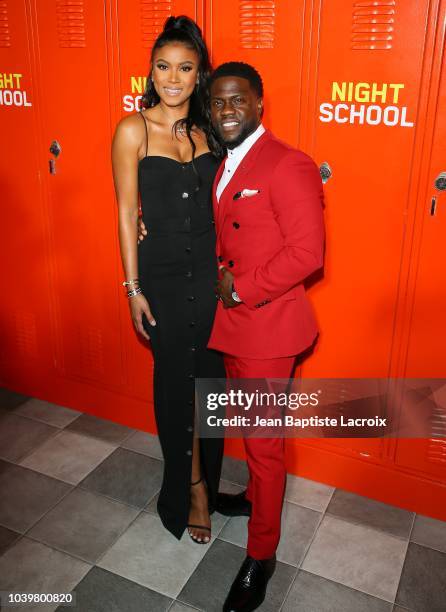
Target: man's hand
{"points": [[224, 289], [142, 232]]}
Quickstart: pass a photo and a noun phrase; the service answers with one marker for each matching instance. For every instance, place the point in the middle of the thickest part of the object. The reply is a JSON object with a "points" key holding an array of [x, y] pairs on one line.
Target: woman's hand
{"points": [[139, 306], [142, 231]]}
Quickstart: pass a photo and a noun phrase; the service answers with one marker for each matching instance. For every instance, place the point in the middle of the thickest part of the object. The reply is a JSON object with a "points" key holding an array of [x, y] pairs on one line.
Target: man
{"points": [[267, 201]]}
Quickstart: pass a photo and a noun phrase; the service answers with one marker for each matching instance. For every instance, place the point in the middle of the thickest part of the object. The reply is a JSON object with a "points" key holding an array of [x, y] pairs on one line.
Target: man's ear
{"points": [[260, 106]]}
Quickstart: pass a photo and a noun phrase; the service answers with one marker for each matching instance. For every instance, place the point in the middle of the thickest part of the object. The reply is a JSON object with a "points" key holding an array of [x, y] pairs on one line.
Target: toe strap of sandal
{"points": [[200, 527]]}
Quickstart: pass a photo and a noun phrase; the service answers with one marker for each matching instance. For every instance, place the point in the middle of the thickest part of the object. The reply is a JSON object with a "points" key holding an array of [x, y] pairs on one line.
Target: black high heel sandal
{"points": [[193, 538]]}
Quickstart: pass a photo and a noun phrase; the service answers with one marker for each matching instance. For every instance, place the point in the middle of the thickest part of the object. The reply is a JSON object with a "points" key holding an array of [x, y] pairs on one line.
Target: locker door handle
{"points": [[326, 172], [55, 149]]}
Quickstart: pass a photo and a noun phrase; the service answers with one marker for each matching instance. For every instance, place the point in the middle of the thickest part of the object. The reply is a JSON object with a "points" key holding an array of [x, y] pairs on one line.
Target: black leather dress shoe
{"points": [[233, 505], [249, 587]]}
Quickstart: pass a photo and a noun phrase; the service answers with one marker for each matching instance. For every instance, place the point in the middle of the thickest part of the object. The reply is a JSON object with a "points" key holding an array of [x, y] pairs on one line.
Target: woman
{"points": [[166, 152]]}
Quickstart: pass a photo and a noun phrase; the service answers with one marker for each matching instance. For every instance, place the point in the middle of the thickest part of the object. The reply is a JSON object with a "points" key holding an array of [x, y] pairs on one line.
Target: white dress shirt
{"points": [[235, 157]]}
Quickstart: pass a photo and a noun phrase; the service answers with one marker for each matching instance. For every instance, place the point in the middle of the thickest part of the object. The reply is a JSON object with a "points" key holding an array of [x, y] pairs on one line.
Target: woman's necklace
{"points": [[179, 129]]}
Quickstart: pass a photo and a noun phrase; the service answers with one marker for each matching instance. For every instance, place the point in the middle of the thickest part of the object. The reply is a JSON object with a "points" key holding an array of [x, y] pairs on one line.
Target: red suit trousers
{"points": [[266, 462]]}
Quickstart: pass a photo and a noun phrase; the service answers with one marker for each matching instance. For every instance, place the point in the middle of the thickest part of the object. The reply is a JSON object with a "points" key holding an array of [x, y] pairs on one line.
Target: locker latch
{"points": [[440, 182], [55, 148], [325, 171]]}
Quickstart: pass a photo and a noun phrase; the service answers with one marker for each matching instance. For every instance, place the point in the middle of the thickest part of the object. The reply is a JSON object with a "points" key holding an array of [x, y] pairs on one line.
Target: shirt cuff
{"points": [[235, 295]]}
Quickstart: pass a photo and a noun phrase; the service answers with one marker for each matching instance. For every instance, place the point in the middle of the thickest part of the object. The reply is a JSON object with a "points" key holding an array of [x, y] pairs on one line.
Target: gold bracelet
{"points": [[130, 282]]}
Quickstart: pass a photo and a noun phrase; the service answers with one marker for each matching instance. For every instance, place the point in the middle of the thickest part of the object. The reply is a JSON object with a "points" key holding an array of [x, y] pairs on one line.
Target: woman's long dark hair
{"points": [[185, 31]]}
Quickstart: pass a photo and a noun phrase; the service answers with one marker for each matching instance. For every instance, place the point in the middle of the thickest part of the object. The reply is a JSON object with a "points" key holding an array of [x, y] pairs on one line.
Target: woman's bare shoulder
{"points": [[130, 136], [130, 127]]}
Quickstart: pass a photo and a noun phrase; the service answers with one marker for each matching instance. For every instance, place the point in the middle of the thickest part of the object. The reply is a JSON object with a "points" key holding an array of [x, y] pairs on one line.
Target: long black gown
{"points": [[177, 269]]}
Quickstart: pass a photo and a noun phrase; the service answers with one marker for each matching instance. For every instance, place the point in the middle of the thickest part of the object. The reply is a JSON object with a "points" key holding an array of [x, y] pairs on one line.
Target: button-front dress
{"points": [[177, 269]]}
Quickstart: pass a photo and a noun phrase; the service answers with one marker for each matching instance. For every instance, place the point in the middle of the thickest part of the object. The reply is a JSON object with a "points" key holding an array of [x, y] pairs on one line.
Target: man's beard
{"points": [[247, 130]]}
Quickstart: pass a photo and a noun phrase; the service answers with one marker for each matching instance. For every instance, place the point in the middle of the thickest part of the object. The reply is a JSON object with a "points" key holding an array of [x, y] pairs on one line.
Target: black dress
{"points": [[177, 269]]}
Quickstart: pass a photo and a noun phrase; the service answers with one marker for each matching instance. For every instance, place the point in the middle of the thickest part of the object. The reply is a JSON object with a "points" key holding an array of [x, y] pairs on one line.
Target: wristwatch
{"points": [[235, 296]]}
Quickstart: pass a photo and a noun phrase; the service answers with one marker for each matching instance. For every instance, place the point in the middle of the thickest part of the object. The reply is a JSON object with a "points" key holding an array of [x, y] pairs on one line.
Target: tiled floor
{"points": [[78, 513]]}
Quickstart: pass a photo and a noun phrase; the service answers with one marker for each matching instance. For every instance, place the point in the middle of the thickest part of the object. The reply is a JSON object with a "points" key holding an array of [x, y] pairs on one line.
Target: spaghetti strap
{"points": [[147, 133]]}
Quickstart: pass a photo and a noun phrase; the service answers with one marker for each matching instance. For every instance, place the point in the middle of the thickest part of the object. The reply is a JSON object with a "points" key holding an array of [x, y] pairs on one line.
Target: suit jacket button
{"points": [[230, 263], [220, 258], [236, 225]]}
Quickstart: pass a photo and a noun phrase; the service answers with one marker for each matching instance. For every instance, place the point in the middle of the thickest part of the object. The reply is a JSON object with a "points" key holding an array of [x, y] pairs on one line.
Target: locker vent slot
{"points": [[153, 15], [5, 34], [26, 334], [257, 24], [436, 451], [373, 25], [71, 23], [436, 448], [92, 350]]}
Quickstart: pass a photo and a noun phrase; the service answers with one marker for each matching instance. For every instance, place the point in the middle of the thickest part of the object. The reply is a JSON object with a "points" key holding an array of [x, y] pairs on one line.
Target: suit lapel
{"points": [[215, 204], [242, 170]]}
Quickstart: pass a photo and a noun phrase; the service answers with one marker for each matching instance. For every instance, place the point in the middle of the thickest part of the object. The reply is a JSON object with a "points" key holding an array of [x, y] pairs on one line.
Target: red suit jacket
{"points": [[271, 242]]}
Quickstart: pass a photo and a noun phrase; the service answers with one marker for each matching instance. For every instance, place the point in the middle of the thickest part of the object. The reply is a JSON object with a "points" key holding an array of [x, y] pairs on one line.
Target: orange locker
{"points": [[424, 352], [423, 345], [25, 321], [357, 84], [269, 35], [75, 119], [361, 118]]}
